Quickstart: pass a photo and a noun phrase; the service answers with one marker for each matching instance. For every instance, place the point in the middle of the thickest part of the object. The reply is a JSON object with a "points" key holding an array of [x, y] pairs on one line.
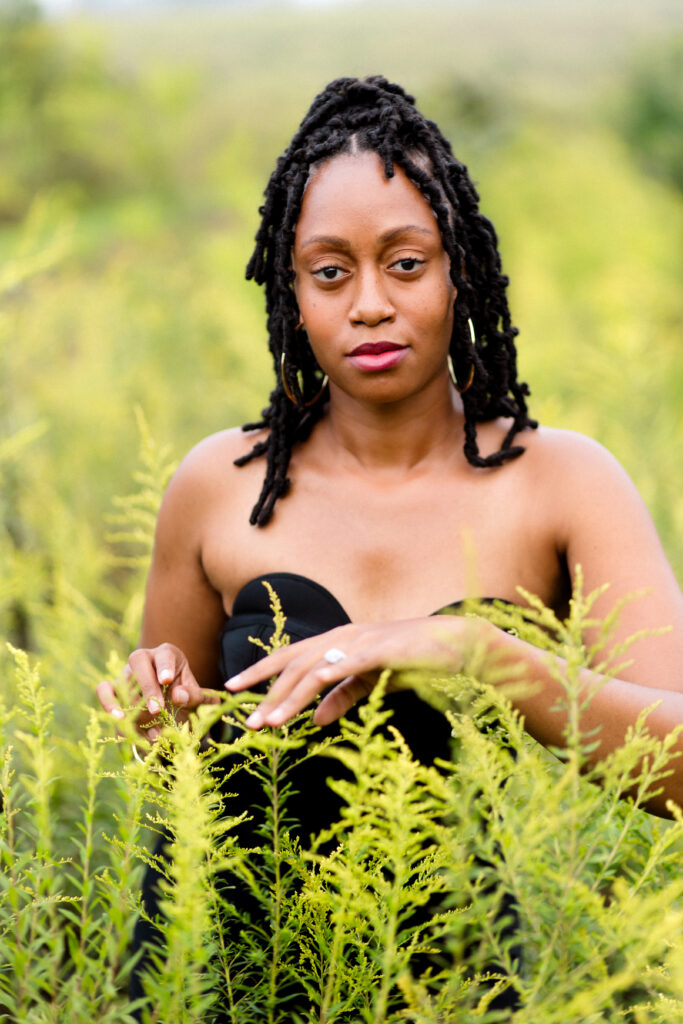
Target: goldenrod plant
{"points": [[437, 889]]}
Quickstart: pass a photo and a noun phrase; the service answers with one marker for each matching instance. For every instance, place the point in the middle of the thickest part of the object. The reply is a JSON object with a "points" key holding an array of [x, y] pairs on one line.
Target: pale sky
{"points": [[66, 6]]}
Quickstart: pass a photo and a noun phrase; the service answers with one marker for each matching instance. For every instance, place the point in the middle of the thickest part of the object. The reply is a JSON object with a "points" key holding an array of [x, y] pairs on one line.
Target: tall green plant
{"points": [[437, 890], [502, 877]]}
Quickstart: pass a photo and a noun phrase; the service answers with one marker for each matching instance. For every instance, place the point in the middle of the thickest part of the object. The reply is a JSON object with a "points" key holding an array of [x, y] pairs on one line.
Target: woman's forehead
{"points": [[353, 188]]}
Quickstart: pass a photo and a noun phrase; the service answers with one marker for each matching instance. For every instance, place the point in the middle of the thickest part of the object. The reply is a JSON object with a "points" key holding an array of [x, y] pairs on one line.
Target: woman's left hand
{"points": [[350, 659]]}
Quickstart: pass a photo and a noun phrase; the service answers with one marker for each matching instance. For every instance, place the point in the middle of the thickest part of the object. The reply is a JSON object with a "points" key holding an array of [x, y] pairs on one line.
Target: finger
{"points": [[308, 660], [362, 663], [168, 662], [272, 665], [184, 712], [341, 698], [286, 708], [187, 693], [300, 683], [148, 667], [209, 696], [275, 664], [108, 699], [106, 693], [145, 674], [301, 680]]}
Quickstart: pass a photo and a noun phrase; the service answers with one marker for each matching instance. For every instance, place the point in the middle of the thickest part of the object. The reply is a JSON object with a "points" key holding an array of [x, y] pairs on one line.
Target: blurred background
{"points": [[135, 142]]}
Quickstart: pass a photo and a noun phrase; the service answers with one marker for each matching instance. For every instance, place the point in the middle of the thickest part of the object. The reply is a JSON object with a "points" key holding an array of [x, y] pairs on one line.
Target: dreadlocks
{"points": [[352, 115]]}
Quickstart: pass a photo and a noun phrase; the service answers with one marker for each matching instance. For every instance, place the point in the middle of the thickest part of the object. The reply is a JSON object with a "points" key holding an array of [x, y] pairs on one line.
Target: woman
{"points": [[397, 431], [397, 428]]}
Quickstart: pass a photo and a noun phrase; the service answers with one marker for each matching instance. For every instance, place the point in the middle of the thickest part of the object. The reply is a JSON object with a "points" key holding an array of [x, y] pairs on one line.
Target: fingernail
{"points": [[255, 720], [166, 675], [233, 681], [180, 696], [153, 706], [153, 734], [117, 713]]}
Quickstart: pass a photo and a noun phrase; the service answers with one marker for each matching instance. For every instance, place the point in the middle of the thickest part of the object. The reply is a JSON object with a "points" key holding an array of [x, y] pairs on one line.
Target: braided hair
{"points": [[372, 114]]}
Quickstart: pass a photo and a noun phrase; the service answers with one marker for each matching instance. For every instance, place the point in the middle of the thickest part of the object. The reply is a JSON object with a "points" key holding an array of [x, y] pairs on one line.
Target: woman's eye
{"points": [[328, 273], [408, 264]]}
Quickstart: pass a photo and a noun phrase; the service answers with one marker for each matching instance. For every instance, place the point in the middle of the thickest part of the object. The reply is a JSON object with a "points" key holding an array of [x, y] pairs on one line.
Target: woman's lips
{"points": [[377, 355]]}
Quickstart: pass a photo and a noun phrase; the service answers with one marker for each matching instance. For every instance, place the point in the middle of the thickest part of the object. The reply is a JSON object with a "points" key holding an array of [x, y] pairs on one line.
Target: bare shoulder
{"points": [[210, 464], [206, 477], [215, 452], [568, 452], [575, 464], [601, 521], [558, 466], [583, 483], [547, 447]]}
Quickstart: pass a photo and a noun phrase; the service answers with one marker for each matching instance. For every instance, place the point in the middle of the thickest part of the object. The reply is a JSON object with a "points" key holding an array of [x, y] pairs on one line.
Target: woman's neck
{"points": [[394, 436]]}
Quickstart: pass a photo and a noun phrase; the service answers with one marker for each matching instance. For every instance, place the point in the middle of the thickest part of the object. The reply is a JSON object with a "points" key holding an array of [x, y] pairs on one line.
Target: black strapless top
{"points": [[311, 609]]}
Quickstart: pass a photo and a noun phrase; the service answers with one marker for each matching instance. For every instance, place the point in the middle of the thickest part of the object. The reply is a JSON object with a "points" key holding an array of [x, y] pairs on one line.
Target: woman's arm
{"points": [[446, 643], [183, 613]]}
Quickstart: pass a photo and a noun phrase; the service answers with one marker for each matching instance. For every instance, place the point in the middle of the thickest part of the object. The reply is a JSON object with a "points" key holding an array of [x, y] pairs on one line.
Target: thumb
{"points": [[186, 691]]}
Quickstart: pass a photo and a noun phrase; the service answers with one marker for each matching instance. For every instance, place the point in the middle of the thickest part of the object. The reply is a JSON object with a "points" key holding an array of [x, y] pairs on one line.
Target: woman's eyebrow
{"points": [[332, 240], [343, 243], [406, 229]]}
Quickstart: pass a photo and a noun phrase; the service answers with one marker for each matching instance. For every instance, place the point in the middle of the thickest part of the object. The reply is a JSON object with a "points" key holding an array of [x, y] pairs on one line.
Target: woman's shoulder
{"points": [[567, 454], [227, 444], [208, 474], [552, 453], [580, 482], [213, 458]]}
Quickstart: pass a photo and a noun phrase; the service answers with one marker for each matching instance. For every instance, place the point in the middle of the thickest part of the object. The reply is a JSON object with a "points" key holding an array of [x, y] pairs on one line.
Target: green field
{"points": [[133, 153]]}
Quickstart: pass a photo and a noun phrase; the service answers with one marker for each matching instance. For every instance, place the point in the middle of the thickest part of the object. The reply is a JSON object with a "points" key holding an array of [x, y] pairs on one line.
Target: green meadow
{"points": [[134, 149]]}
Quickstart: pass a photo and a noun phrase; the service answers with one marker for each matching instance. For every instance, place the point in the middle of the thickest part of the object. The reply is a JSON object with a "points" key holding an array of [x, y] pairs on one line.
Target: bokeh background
{"points": [[135, 143]]}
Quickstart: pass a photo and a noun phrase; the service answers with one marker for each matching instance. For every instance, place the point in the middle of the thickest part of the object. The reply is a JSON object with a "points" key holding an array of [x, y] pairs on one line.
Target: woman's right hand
{"points": [[161, 674]]}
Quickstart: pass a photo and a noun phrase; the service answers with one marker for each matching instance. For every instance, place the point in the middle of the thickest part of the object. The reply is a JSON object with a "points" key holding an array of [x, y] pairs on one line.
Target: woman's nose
{"points": [[371, 304]]}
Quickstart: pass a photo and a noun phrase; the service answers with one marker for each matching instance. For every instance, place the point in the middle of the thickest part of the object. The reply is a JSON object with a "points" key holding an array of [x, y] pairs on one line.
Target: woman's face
{"points": [[372, 279]]}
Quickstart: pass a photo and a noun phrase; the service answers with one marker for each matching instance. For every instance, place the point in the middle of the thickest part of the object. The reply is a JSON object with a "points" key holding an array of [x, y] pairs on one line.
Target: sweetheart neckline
{"points": [[299, 578]]}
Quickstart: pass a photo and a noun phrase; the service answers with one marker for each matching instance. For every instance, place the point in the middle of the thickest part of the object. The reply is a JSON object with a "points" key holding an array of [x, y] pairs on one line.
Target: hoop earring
{"points": [[287, 390], [451, 371]]}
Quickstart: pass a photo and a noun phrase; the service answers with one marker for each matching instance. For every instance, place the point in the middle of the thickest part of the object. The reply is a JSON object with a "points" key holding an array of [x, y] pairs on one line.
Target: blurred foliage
{"points": [[595, 260], [474, 116], [67, 120], [651, 111], [133, 154], [130, 191]]}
